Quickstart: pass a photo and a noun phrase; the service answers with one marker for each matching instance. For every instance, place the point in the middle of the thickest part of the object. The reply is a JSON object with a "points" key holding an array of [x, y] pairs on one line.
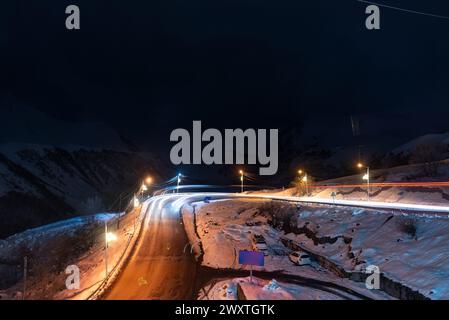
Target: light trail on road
{"points": [[385, 184], [159, 268], [360, 203]]}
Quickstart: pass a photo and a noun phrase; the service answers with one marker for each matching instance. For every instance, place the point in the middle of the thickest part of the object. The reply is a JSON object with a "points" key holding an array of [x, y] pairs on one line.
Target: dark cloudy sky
{"points": [[147, 67]]}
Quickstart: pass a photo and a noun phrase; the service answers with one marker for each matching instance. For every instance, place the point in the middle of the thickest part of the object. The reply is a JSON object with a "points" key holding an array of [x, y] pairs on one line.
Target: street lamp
{"points": [[179, 181], [136, 202], [241, 181], [305, 180], [145, 184], [108, 237], [366, 177]]}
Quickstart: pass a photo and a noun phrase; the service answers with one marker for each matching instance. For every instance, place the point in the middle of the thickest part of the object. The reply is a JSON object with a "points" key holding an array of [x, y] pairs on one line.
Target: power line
{"points": [[405, 10]]}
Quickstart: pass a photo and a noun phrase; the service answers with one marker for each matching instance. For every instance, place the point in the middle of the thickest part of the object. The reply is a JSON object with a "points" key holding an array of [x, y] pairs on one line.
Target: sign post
{"points": [[251, 273], [333, 195], [251, 258]]}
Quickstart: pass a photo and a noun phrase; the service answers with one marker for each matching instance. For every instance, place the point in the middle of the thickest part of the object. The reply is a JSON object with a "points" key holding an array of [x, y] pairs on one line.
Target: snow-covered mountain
{"points": [[50, 169], [428, 139]]}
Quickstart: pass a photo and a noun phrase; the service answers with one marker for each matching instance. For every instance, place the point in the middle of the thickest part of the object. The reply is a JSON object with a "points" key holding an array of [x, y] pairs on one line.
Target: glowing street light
{"points": [[366, 177], [241, 181], [305, 180], [149, 180], [108, 237], [136, 202]]}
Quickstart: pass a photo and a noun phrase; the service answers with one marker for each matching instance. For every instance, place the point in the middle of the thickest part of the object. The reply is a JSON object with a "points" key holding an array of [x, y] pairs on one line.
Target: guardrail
{"points": [[132, 240]]}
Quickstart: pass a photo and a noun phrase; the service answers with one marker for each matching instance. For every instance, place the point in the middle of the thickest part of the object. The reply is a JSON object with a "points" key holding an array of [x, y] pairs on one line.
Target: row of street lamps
{"points": [[302, 176], [111, 237]]}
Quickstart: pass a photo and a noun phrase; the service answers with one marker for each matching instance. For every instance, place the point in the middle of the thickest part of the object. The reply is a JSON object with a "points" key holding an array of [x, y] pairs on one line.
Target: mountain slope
{"points": [[52, 169]]}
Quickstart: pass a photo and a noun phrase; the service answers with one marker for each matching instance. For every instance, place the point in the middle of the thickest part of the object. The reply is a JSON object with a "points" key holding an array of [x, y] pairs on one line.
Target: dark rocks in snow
{"points": [[41, 185]]}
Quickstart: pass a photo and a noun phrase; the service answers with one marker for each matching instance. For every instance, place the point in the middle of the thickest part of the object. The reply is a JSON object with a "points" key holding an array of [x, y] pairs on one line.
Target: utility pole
{"points": [[367, 181], [333, 195], [106, 248], [367, 178], [25, 272], [251, 273]]}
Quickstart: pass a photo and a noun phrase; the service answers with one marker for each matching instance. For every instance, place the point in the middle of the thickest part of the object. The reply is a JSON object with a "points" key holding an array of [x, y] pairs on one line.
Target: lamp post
{"points": [[307, 185], [241, 181], [179, 181], [304, 179], [143, 188], [136, 201], [108, 237], [366, 177], [147, 183]]}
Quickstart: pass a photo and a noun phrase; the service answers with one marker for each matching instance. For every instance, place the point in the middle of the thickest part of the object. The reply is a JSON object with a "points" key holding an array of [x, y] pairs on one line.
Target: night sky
{"points": [[148, 67]]}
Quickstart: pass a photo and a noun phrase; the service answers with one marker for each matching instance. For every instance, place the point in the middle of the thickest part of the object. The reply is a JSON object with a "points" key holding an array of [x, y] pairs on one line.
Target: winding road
{"points": [[157, 267]]}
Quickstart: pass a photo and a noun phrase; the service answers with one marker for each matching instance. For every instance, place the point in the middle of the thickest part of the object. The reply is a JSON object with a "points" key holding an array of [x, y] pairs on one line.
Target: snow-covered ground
{"points": [[437, 196], [260, 289], [51, 248], [410, 250], [224, 227], [52, 170]]}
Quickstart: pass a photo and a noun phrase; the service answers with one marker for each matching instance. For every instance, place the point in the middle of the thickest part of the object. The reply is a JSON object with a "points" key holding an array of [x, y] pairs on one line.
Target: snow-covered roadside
{"points": [[51, 248], [436, 196], [140, 215], [407, 250], [188, 219], [226, 226], [261, 289]]}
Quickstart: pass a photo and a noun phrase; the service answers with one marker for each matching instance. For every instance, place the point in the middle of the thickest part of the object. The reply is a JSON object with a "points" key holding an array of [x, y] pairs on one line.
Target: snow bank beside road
{"points": [[355, 189], [51, 248], [260, 289], [409, 250], [223, 230], [188, 218], [226, 226]]}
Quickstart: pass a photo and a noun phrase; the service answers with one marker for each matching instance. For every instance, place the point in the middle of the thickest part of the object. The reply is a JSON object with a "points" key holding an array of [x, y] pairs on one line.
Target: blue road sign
{"points": [[253, 258]]}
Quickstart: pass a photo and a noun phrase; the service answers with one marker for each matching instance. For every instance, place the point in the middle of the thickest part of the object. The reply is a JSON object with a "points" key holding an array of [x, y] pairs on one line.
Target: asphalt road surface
{"points": [[158, 268]]}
